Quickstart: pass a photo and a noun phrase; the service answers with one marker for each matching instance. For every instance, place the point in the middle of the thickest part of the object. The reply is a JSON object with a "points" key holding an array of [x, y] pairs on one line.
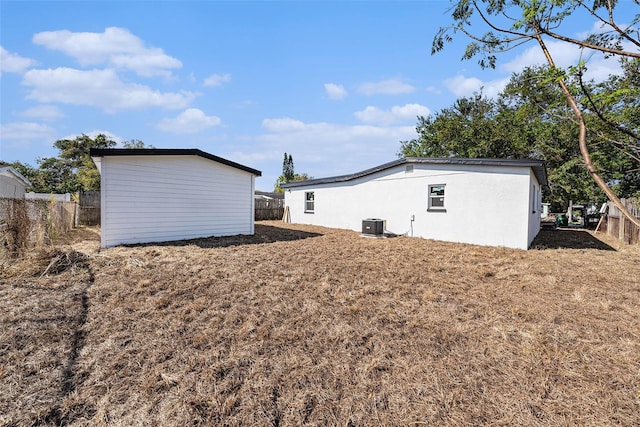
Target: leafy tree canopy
{"points": [[531, 119], [72, 169], [511, 23]]}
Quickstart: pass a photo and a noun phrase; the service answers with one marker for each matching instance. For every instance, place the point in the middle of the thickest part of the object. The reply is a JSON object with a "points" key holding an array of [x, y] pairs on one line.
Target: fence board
{"points": [[620, 227], [89, 208], [268, 209]]}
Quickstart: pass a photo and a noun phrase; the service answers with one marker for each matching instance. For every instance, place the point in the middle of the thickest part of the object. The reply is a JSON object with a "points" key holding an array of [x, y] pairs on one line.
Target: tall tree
{"points": [[74, 157], [288, 174], [288, 171], [510, 23]]}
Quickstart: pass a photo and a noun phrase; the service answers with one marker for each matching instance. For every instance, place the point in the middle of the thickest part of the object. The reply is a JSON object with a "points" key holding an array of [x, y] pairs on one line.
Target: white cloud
{"points": [[43, 112], [25, 131], [217, 80], [385, 87], [335, 91], [116, 47], [405, 113], [324, 149], [191, 120], [434, 90], [98, 88], [466, 86], [598, 27], [243, 104], [565, 55], [12, 62], [283, 124]]}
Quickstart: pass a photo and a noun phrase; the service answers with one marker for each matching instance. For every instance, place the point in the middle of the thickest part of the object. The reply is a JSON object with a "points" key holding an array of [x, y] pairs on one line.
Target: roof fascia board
{"points": [[104, 152], [538, 167]]}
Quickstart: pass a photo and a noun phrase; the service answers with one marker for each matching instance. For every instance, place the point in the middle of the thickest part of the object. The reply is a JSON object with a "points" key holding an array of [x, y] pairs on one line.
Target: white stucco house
{"points": [[156, 195], [493, 202], [12, 183]]}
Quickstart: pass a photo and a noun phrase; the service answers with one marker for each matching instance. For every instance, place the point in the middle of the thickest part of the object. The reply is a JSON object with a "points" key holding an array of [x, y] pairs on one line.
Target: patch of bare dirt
{"points": [[303, 325]]}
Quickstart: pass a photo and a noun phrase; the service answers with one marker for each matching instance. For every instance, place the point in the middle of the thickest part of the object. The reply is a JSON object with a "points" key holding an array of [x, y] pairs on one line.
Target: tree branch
{"points": [[590, 45], [582, 139], [600, 114], [611, 22]]}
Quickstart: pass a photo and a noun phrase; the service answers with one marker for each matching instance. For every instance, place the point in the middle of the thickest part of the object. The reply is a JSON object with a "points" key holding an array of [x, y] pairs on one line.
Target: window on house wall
{"points": [[436, 198], [534, 199], [309, 202]]}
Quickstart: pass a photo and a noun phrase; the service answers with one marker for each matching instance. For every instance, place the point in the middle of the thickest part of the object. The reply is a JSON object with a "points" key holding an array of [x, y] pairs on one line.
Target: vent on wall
{"points": [[373, 226]]}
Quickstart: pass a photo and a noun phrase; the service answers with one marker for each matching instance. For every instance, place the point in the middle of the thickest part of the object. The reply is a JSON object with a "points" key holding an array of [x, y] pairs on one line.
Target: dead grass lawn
{"points": [[302, 325]]}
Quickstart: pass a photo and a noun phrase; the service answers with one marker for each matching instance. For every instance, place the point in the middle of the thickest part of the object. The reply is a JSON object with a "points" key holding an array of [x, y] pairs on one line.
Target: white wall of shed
{"points": [[11, 187], [485, 205], [164, 198], [535, 209]]}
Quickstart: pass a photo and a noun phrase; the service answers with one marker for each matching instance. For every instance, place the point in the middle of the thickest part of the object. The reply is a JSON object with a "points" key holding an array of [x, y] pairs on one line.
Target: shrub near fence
{"points": [[268, 209], [27, 224], [620, 227]]}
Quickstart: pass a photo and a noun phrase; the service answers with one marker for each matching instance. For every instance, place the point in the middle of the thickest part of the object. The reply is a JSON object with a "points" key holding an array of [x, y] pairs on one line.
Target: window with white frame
{"points": [[436, 198], [309, 198]]}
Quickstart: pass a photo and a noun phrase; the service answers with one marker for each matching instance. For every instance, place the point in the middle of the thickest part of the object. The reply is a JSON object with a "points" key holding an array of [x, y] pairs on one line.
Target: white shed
{"points": [[12, 183], [155, 195], [493, 202]]}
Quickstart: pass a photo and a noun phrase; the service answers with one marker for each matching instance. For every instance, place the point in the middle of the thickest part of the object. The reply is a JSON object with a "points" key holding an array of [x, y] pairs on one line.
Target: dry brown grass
{"points": [[31, 225], [303, 325]]}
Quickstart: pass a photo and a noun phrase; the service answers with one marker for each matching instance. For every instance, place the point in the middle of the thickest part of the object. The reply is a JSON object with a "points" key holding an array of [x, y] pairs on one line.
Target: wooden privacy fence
{"points": [[266, 209], [27, 224], [89, 208], [620, 227]]}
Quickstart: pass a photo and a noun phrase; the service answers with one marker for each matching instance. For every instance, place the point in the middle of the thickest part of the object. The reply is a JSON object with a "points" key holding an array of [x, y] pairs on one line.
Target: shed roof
{"points": [[538, 167], [103, 152], [9, 170]]}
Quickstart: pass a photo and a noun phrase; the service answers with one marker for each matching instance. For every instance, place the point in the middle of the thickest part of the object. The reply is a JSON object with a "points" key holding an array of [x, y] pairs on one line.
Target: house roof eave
{"points": [[17, 174], [538, 167], [104, 152]]}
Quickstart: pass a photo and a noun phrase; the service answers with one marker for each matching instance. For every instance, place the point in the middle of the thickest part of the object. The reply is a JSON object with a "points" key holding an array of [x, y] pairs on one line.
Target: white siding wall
{"points": [[163, 198], [485, 205], [11, 187], [535, 209]]}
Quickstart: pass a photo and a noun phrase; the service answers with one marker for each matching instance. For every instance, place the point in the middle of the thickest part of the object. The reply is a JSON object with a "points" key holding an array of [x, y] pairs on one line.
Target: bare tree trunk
{"points": [[582, 140]]}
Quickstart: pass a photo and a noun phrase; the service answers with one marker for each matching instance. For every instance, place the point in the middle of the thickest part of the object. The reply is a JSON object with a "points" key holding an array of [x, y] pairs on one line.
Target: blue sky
{"points": [[336, 84]]}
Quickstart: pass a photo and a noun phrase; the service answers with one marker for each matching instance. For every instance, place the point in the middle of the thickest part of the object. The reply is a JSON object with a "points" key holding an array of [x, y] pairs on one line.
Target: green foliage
{"points": [[72, 169], [55, 176], [296, 177], [288, 171], [512, 23], [135, 144]]}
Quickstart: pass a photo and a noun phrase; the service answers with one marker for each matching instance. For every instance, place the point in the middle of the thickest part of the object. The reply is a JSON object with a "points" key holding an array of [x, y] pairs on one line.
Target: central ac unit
{"points": [[373, 226]]}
